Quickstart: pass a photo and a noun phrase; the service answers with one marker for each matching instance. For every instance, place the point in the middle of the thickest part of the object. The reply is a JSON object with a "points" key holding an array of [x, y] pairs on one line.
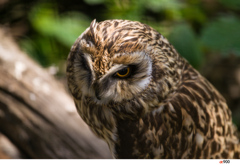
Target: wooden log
{"points": [[8, 150], [36, 112]]}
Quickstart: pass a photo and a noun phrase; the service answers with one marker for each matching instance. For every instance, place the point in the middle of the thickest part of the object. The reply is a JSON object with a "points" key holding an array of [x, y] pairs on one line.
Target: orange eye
{"points": [[123, 72]]}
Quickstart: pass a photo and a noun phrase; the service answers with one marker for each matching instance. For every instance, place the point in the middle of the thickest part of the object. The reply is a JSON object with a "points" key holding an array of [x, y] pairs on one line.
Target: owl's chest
{"points": [[99, 118], [136, 139], [140, 138]]}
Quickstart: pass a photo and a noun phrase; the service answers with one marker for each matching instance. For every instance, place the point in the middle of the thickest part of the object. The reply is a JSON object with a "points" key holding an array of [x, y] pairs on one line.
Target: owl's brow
{"points": [[114, 69], [129, 58]]}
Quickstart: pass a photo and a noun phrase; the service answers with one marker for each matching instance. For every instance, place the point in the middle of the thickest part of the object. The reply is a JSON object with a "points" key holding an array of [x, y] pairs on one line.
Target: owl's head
{"points": [[119, 60]]}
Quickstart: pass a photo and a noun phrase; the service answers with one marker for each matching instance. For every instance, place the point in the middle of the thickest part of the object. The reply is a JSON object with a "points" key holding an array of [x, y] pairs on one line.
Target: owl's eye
{"points": [[124, 73]]}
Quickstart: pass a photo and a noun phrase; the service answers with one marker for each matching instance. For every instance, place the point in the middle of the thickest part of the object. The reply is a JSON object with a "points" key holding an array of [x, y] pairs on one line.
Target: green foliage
{"points": [[124, 9], [55, 33], [172, 9], [194, 14], [233, 4], [94, 2], [223, 36], [163, 5], [186, 43], [193, 27], [65, 28]]}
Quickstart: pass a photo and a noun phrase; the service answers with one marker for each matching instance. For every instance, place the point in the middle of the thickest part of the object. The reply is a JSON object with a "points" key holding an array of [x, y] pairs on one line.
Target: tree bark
{"points": [[36, 112]]}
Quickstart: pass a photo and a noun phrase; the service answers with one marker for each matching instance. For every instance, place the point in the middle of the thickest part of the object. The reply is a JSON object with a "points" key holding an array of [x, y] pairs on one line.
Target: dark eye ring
{"points": [[123, 73]]}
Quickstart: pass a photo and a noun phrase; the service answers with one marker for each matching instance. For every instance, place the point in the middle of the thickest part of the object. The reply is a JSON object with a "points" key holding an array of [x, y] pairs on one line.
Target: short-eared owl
{"points": [[138, 94]]}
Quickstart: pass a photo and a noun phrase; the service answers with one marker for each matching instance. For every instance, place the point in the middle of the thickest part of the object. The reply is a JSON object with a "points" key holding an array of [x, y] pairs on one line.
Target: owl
{"points": [[136, 92]]}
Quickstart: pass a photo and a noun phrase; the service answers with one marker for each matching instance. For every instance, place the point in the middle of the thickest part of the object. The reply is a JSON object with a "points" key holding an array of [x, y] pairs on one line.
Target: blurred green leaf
{"points": [[184, 40], [233, 4], [194, 14], [223, 36], [44, 50], [124, 9], [94, 2], [65, 28], [170, 8], [157, 5], [56, 33]]}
